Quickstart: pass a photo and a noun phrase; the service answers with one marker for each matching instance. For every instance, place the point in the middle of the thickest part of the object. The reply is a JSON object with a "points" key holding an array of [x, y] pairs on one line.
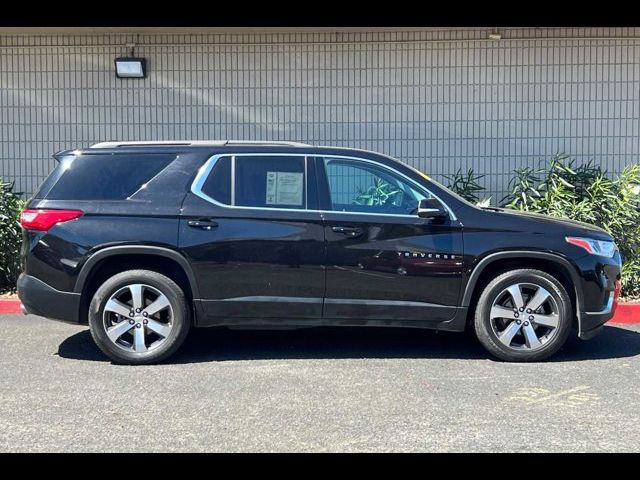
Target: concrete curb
{"points": [[625, 313], [9, 306]]}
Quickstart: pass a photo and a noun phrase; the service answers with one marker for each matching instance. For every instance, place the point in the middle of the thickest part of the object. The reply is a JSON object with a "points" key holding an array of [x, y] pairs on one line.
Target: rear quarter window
{"points": [[102, 176], [218, 183]]}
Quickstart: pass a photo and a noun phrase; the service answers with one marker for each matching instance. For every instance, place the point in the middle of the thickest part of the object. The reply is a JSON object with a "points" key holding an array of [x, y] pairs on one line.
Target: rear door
{"points": [[383, 261], [254, 236]]}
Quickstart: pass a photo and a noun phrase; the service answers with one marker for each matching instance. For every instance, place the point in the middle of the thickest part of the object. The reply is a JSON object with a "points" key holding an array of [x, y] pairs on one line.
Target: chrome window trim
{"points": [[205, 170]]}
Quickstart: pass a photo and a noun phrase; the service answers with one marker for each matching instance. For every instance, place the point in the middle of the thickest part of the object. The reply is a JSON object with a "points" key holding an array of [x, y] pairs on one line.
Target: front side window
{"points": [[262, 181], [364, 187]]}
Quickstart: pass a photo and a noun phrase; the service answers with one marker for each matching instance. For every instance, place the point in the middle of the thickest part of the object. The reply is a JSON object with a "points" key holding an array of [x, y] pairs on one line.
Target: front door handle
{"points": [[202, 223], [351, 232]]}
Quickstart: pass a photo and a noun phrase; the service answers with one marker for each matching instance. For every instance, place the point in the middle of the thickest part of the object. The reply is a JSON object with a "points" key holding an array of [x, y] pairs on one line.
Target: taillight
{"points": [[43, 219]]}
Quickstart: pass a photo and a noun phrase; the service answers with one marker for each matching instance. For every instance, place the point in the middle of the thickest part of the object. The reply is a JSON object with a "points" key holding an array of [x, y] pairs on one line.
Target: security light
{"points": [[131, 67]]}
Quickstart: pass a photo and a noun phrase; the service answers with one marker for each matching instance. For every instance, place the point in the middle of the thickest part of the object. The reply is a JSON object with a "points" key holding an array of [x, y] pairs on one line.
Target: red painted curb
{"points": [[627, 313], [9, 306]]}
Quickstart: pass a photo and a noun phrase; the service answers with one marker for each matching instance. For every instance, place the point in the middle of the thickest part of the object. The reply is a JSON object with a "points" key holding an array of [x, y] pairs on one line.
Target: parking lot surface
{"points": [[331, 389]]}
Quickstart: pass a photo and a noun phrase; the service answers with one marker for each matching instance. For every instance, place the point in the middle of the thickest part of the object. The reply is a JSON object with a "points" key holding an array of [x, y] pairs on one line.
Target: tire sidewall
{"points": [[482, 320], [165, 285]]}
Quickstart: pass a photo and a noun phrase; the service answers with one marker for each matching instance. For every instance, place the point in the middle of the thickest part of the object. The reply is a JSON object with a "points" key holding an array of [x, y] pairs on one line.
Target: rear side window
{"points": [[102, 177], [263, 181], [270, 182]]}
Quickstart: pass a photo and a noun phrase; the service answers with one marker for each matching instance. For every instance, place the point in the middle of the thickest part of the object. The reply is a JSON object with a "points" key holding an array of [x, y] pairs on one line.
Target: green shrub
{"points": [[466, 185], [588, 194], [10, 236]]}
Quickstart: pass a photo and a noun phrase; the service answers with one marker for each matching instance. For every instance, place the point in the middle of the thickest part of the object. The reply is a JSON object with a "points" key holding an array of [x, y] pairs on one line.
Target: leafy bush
{"points": [[587, 193], [10, 236], [465, 184]]}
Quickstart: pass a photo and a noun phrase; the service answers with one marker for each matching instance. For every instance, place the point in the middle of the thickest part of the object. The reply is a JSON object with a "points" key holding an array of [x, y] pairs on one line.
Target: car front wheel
{"points": [[523, 315], [139, 317]]}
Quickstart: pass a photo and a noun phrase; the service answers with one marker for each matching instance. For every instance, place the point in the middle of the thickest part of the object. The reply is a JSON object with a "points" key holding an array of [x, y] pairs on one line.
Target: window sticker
{"points": [[284, 188]]}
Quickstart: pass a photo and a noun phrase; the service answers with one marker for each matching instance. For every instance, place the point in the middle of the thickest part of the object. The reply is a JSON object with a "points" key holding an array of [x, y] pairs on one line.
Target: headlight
{"points": [[594, 247]]}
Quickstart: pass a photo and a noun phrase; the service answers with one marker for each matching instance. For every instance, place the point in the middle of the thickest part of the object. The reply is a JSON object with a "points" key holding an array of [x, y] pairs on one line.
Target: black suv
{"points": [[144, 240]]}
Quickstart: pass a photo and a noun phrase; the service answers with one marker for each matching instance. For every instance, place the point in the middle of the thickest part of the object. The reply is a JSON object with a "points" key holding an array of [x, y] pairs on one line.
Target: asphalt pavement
{"points": [[316, 390]]}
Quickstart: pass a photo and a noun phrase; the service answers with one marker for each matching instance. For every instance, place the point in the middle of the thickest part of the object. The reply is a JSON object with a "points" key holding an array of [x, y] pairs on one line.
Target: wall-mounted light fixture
{"points": [[495, 35], [131, 67]]}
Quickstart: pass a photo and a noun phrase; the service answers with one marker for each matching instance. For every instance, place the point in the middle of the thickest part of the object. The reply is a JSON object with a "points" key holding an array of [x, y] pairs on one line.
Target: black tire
{"points": [[181, 318], [489, 338]]}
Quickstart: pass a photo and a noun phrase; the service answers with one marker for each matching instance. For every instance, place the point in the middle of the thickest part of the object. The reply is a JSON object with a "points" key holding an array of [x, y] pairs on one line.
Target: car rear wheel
{"points": [[523, 315], [139, 317]]}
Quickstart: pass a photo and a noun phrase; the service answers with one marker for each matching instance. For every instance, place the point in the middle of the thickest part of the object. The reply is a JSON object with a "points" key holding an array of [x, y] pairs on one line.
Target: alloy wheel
{"points": [[138, 318], [524, 316]]}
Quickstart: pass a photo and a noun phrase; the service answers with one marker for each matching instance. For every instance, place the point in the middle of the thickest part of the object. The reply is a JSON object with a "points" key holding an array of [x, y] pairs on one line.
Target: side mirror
{"points": [[431, 208]]}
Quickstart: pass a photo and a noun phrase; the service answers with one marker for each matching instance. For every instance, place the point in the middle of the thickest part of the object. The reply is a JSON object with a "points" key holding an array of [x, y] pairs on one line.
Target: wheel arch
{"points": [[111, 260], [498, 262]]}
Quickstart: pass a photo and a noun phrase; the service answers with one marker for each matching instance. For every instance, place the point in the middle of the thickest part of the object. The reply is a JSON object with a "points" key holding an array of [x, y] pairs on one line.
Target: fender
{"points": [[486, 261], [136, 250]]}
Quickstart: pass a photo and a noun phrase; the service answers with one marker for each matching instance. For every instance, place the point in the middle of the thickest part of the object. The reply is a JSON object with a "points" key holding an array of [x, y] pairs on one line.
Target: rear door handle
{"points": [[202, 223], [350, 232]]}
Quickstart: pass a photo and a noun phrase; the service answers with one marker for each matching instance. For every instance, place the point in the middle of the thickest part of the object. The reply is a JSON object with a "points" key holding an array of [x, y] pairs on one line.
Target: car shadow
{"points": [[221, 344]]}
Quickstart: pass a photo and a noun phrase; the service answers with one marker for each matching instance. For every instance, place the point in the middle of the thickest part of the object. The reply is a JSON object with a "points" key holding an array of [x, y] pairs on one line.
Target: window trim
{"points": [[205, 170]]}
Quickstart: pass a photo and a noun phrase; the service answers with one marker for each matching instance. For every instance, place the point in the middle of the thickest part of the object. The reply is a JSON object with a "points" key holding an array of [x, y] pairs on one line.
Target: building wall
{"points": [[436, 99]]}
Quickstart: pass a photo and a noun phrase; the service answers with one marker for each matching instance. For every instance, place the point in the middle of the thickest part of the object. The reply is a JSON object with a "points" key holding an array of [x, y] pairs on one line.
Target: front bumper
{"points": [[599, 288], [592, 322], [41, 299]]}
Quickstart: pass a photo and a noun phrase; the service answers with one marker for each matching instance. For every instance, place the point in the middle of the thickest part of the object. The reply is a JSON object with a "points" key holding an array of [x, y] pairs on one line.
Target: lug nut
{"points": [[131, 313], [531, 318], [145, 321], [528, 310], [522, 309], [138, 325], [137, 310], [518, 322], [131, 322], [526, 324], [145, 314], [516, 315]]}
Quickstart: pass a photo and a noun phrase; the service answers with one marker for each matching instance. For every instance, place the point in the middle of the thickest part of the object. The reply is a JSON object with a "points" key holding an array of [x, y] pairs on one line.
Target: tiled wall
{"points": [[438, 100]]}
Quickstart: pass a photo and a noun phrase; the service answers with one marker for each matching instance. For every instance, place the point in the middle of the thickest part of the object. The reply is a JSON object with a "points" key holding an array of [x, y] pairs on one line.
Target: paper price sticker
{"points": [[284, 188]]}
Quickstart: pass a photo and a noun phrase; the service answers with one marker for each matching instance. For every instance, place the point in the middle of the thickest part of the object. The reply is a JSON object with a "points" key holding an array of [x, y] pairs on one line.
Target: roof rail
{"points": [[202, 143], [265, 142]]}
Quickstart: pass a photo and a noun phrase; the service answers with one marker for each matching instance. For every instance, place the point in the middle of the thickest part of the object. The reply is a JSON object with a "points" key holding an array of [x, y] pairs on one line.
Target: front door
{"points": [[253, 234], [383, 261]]}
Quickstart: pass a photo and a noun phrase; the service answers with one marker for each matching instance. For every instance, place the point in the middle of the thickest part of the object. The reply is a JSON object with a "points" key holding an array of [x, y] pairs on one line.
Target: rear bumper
{"points": [[38, 298]]}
